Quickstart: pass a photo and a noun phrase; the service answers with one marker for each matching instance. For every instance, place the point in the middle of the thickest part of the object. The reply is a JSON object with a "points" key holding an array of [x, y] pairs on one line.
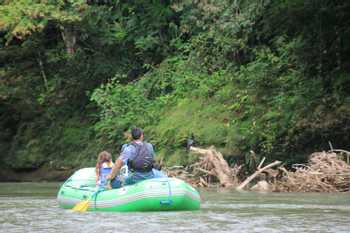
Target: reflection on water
{"points": [[32, 207]]}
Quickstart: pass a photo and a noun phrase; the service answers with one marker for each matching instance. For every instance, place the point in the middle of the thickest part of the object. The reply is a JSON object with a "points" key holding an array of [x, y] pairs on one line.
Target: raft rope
{"points": [[99, 190], [167, 201], [95, 197], [81, 188], [170, 193]]}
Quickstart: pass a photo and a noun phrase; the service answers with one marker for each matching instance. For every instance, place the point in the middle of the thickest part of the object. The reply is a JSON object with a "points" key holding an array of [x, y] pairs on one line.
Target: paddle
{"points": [[84, 205]]}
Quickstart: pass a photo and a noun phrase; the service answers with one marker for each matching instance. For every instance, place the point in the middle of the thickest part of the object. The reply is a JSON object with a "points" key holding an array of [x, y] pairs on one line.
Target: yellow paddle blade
{"points": [[81, 206]]}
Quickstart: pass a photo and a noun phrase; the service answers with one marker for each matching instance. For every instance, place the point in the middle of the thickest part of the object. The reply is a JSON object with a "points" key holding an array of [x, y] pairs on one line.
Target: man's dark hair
{"points": [[136, 133]]}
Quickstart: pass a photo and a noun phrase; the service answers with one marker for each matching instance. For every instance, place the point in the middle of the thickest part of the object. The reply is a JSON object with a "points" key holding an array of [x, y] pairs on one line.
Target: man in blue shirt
{"points": [[135, 153]]}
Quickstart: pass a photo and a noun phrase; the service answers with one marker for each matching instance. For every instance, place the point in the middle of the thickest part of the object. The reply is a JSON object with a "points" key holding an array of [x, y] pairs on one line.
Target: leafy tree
{"points": [[268, 76]]}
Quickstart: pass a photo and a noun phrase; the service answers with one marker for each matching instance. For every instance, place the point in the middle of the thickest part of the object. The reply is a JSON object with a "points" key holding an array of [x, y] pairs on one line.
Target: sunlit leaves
{"points": [[23, 17]]}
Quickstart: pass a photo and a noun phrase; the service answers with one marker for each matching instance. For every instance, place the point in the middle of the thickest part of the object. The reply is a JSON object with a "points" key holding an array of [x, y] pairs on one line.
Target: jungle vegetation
{"points": [[267, 76]]}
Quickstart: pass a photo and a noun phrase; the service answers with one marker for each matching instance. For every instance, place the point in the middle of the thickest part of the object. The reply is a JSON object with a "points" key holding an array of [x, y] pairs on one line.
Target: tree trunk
{"points": [[221, 169], [250, 178], [69, 36]]}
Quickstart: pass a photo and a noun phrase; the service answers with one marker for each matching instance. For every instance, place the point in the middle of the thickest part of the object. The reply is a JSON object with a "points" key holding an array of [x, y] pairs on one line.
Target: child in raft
{"points": [[103, 168]]}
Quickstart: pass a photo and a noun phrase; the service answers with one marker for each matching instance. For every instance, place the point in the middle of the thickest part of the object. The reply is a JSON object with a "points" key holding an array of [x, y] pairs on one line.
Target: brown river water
{"points": [[32, 207]]}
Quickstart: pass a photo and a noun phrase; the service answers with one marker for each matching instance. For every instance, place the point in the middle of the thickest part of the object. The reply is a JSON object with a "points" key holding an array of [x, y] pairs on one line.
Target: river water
{"points": [[32, 207]]}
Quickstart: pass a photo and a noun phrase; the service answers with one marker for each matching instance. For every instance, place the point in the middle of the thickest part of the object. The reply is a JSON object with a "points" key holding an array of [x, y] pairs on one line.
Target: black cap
{"points": [[136, 133]]}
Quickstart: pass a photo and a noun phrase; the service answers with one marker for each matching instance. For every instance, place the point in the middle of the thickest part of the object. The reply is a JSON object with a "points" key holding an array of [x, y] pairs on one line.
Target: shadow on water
{"points": [[32, 207]]}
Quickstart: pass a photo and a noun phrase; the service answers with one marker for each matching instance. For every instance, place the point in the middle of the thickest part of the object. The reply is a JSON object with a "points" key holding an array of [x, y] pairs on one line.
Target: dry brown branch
{"points": [[220, 167], [325, 172], [261, 163], [205, 171], [210, 168], [341, 151], [250, 178]]}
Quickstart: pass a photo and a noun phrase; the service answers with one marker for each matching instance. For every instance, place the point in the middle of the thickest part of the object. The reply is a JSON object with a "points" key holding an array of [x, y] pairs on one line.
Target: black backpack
{"points": [[143, 161]]}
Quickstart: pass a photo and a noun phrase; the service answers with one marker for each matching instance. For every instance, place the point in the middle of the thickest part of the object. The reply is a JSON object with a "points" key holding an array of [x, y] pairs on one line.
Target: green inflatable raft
{"points": [[158, 194]]}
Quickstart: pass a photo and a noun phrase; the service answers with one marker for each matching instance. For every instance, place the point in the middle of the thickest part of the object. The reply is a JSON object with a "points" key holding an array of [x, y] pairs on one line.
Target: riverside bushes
{"points": [[267, 76]]}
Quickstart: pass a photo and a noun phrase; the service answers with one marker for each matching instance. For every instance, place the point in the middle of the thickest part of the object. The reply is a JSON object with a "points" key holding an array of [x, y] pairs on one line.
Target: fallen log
{"points": [[220, 168], [255, 174]]}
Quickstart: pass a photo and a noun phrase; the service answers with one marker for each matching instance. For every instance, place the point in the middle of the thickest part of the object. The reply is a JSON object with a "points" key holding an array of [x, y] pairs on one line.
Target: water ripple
{"points": [[228, 212]]}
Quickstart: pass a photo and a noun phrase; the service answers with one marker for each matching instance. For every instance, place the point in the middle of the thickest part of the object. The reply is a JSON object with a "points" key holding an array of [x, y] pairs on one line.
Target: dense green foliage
{"points": [[268, 76]]}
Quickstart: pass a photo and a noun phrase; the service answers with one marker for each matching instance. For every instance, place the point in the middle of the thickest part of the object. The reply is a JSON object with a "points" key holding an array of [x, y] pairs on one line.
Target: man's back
{"points": [[129, 153]]}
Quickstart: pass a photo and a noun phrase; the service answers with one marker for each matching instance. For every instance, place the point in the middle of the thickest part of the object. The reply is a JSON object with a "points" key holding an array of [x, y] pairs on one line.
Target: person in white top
{"points": [[104, 167]]}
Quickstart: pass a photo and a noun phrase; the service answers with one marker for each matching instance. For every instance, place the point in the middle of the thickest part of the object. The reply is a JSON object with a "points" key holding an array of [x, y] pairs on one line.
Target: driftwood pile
{"points": [[211, 169], [325, 172]]}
